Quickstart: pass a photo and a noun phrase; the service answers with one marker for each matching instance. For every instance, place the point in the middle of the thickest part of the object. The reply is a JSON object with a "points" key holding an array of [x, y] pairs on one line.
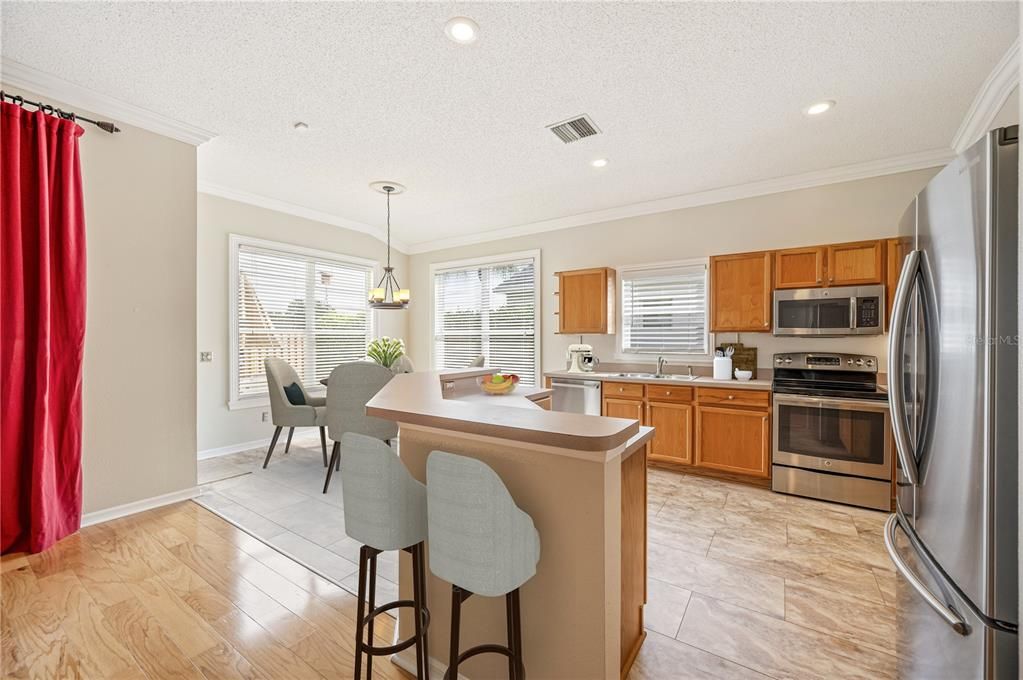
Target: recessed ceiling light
{"points": [[300, 126], [599, 163], [820, 107], [462, 30]]}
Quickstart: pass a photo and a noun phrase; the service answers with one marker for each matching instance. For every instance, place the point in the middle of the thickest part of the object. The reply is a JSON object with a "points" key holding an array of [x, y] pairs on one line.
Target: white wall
{"points": [[139, 372], [835, 213], [218, 426]]}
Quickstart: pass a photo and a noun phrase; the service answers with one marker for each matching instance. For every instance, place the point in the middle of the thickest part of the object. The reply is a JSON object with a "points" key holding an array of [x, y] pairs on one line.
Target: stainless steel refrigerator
{"points": [[952, 358]]}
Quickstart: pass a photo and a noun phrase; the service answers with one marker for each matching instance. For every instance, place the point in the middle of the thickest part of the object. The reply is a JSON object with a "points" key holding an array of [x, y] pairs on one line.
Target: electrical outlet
{"points": [[205, 356], [266, 416]]}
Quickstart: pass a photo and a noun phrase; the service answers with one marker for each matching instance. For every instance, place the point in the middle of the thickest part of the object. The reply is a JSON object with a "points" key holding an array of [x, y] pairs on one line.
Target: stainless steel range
{"points": [[831, 426]]}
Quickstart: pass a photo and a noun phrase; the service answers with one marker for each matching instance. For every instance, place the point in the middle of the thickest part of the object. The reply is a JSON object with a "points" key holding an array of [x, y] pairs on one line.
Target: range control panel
{"points": [[826, 361]]}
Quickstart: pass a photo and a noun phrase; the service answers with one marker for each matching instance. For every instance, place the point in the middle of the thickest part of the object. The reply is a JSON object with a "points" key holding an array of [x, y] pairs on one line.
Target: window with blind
{"points": [[304, 306], [664, 311], [487, 308]]}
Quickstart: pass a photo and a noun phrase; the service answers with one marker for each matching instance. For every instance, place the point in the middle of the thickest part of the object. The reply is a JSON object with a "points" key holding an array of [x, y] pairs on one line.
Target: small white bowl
{"points": [[743, 375]]}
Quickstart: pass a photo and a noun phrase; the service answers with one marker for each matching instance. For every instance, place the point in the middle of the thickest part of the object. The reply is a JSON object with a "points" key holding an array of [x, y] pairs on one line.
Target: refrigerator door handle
{"points": [[896, 347], [950, 616]]}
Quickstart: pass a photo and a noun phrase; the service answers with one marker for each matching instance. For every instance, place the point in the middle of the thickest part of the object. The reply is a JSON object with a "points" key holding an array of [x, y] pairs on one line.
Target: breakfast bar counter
{"points": [[581, 478]]}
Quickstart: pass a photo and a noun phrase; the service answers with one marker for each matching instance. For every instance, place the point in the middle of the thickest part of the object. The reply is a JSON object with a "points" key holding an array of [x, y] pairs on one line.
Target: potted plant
{"points": [[386, 351]]}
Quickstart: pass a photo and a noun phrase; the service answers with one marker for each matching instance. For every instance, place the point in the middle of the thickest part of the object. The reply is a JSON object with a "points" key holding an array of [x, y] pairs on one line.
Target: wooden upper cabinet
{"points": [[586, 301], [733, 440], [895, 251], [673, 428], [740, 292], [856, 264], [800, 267]]}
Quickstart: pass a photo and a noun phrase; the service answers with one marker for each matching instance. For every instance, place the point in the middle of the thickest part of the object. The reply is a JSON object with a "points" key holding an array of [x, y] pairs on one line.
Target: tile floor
{"points": [[743, 582]]}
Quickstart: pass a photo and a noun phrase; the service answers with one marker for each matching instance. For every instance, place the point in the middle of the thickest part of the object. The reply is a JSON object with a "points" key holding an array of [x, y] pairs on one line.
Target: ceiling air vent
{"points": [[574, 129]]}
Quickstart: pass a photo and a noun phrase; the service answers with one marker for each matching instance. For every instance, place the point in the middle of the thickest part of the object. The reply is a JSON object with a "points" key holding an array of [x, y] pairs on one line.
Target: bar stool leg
{"points": [[520, 667], [456, 622], [372, 606], [419, 599], [361, 613]]}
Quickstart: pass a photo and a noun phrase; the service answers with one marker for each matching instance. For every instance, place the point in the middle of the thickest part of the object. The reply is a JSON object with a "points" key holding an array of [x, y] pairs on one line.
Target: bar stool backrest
{"points": [[479, 539], [384, 506]]}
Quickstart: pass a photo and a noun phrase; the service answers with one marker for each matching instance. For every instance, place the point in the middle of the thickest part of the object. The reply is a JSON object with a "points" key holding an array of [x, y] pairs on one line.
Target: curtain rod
{"points": [[51, 110]]}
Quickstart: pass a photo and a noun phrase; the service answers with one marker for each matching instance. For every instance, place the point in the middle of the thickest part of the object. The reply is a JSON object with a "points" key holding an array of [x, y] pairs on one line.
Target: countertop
{"points": [[700, 381], [419, 399]]}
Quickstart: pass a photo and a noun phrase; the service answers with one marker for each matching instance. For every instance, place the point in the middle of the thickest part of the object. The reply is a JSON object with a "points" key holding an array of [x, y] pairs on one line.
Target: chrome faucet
{"points": [[660, 366], [690, 371]]}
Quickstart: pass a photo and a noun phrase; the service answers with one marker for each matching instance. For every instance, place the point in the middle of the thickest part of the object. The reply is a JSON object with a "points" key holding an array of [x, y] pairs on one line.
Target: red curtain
{"points": [[42, 329]]}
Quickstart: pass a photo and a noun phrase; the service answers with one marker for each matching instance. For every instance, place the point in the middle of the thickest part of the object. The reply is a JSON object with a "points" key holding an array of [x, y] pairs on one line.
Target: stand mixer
{"points": [[581, 359]]}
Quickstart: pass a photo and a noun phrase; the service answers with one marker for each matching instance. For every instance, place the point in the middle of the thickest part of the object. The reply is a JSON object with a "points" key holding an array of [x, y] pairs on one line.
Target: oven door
{"points": [[848, 436]]}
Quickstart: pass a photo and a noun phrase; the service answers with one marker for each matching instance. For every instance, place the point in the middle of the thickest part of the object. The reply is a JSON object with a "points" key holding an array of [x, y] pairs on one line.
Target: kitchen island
{"points": [[583, 481]]}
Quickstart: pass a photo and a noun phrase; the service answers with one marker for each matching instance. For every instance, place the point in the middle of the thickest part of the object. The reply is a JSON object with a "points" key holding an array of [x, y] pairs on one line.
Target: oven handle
{"points": [[826, 402], [896, 348], [950, 616]]}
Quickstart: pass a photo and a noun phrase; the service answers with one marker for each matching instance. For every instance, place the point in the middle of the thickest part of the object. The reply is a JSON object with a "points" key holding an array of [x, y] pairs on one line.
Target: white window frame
{"points": [[693, 357], [439, 267], [235, 241]]}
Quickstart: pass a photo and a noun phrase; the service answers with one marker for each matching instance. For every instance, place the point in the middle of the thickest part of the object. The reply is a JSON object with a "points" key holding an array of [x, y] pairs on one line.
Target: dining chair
{"points": [[349, 387], [478, 362], [403, 365], [296, 409]]}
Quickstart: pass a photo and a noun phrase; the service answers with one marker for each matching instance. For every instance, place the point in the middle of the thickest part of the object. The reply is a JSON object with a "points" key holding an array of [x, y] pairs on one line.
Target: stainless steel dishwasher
{"points": [[576, 396]]}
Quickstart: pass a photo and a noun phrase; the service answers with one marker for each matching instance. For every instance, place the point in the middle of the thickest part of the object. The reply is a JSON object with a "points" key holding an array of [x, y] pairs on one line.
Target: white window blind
{"points": [[307, 309], [488, 309], [664, 311]]}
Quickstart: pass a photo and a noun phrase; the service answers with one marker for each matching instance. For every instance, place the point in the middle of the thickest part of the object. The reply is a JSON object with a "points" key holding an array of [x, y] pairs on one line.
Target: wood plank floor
{"points": [[175, 592]]}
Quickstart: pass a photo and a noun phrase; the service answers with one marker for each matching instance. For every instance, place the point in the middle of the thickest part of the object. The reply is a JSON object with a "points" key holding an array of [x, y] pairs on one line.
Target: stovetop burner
{"points": [[848, 376]]}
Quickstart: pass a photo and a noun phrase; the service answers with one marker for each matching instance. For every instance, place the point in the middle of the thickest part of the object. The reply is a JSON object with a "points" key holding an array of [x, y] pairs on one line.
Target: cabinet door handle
{"points": [[731, 396], [668, 392]]}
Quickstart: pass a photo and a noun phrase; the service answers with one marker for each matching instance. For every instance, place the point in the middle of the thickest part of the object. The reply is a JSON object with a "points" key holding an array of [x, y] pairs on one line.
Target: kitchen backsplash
{"points": [[605, 349]]}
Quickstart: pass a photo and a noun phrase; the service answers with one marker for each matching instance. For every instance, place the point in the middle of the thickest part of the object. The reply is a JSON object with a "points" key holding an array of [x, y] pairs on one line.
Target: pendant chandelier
{"points": [[388, 293]]}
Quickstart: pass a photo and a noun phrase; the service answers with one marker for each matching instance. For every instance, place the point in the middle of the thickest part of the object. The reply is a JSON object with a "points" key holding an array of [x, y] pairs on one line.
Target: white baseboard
{"points": [[117, 511], [255, 444], [234, 448]]}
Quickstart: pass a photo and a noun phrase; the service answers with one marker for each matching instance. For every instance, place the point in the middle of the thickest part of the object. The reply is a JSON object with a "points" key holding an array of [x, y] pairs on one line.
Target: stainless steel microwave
{"points": [[847, 310]]}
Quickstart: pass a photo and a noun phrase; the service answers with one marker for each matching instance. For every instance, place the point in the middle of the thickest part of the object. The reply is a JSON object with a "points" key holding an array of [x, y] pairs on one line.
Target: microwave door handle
{"points": [[949, 615], [896, 347], [852, 312]]}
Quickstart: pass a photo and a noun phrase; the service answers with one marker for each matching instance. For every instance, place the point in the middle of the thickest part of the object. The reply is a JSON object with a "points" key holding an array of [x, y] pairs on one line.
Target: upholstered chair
{"points": [[482, 544], [403, 365], [284, 414], [349, 387], [385, 509]]}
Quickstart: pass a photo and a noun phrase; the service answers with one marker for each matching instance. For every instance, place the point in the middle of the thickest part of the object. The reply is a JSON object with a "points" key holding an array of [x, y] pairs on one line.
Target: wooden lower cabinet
{"points": [[673, 431], [734, 440], [720, 429], [623, 408]]}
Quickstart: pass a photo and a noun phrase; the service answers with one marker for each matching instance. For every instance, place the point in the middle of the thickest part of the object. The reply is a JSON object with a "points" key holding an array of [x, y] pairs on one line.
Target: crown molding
{"points": [[845, 173], [49, 86], [993, 94], [287, 208]]}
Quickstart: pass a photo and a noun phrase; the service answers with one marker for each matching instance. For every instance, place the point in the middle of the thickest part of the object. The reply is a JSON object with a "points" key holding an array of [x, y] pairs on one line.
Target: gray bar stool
{"points": [[482, 544], [385, 509]]}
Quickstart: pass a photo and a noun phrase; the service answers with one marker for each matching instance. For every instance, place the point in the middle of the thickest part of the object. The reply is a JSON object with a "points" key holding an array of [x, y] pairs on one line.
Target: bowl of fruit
{"points": [[499, 383]]}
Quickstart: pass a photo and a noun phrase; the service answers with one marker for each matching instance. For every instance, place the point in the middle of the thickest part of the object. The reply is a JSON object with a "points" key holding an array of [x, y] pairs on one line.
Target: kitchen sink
{"points": [[635, 375]]}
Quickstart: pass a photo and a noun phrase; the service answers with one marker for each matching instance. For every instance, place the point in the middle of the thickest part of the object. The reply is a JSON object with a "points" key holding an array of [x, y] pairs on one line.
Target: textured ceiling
{"points": [[690, 97]]}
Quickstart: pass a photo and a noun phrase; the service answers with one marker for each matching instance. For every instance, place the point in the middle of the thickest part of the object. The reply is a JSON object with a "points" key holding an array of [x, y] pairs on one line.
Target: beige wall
{"points": [[829, 214], [218, 426], [139, 375]]}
